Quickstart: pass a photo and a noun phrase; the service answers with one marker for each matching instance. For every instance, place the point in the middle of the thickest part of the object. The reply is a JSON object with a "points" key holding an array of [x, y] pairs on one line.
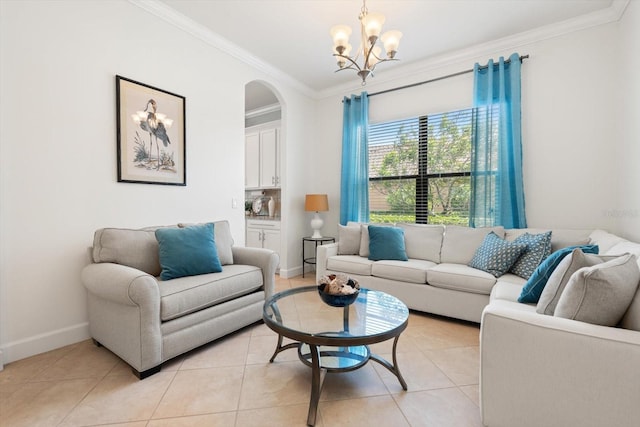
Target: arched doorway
{"points": [[263, 169]]}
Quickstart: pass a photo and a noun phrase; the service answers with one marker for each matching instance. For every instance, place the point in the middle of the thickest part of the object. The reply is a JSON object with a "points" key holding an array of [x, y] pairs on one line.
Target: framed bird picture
{"points": [[151, 134]]}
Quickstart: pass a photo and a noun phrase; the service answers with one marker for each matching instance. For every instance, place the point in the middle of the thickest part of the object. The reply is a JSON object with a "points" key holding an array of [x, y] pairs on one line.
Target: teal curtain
{"points": [[497, 194], [354, 186]]}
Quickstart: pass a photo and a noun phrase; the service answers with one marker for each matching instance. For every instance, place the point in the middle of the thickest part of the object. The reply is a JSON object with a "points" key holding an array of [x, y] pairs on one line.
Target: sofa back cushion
{"points": [[138, 248], [459, 243], [631, 319], [423, 241], [560, 238]]}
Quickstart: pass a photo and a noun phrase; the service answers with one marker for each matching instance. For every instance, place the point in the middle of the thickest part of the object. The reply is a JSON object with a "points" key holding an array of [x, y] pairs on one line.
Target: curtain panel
{"points": [[497, 194], [354, 186]]}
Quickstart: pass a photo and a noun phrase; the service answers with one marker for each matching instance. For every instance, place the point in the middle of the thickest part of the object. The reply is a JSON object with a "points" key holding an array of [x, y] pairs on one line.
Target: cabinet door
{"points": [[269, 158], [272, 240], [253, 238], [252, 160]]}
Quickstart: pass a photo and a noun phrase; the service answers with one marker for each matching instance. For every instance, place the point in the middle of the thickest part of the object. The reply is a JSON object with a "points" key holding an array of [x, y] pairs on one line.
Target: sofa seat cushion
{"points": [[507, 290], [460, 277], [185, 295], [350, 264], [412, 271]]}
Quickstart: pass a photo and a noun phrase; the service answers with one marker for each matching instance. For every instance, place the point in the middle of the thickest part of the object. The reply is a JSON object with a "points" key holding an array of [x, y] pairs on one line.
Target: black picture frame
{"points": [[151, 133]]}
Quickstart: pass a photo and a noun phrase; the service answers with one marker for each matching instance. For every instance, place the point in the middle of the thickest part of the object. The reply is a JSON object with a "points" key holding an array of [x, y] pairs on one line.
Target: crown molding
{"points": [[170, 15], [604, 16], [600, 17], [262, 110]]}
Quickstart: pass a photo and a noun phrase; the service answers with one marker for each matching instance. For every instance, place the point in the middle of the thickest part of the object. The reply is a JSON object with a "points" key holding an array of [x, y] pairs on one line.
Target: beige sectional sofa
{"points": [[436, 278], [147, 321], [535, 369]]}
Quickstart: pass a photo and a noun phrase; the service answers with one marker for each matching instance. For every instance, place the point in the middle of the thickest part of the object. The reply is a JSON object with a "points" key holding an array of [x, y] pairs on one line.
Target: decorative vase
{"points": [[272, 207]]}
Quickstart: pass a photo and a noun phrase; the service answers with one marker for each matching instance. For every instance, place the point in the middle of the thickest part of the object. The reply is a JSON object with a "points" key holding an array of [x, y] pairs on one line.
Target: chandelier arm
{"points": [[351, 60]]}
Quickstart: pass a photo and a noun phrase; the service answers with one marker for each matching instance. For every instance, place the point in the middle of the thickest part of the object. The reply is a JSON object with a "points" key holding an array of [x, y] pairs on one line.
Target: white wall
{"points": [[627, 209], [574, 142], [58, 150]]}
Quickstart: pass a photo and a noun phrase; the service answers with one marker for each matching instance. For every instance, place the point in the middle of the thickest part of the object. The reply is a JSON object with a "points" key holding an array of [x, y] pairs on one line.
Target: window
{"points": [[420, 168]]}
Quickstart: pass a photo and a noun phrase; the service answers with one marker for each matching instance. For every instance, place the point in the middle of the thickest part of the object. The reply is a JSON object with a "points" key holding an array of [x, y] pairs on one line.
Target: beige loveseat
{"points": [[147, 321]]}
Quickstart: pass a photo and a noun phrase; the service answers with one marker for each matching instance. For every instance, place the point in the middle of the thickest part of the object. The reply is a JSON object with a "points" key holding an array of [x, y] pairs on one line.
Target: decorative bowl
{"points": [[337, 300]]}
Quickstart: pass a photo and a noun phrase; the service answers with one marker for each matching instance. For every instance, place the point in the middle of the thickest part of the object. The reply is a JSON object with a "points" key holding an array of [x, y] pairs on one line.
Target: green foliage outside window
{"points": [[448, 151]]}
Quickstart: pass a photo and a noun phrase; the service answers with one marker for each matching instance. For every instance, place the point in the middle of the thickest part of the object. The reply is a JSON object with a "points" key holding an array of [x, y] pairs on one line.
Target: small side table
{"points": [[318, 241]]}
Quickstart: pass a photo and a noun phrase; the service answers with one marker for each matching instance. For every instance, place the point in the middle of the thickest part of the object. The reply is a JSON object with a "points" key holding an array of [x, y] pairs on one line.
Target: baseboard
{"points": [[293, 272], [42, 343]]}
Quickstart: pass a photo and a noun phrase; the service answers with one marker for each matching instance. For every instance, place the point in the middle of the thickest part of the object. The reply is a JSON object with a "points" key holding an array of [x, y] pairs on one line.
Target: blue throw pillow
{"points": [[386, 243], [496, 255], [538, 248], [535, 285], [187, 251]]}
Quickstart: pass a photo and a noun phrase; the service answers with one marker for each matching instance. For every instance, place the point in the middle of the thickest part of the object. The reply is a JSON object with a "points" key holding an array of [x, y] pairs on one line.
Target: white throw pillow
{"points": [[560, 277], [600, 294], [348, 239]]}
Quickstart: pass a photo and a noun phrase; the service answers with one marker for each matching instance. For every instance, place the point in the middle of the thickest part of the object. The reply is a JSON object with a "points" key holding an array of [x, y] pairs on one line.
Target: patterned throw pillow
{"points": [[538, 248], [496, 255]]}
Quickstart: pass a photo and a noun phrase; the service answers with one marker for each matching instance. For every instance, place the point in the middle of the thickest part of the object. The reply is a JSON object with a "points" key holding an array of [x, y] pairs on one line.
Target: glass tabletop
{"points": [[299, 313]]}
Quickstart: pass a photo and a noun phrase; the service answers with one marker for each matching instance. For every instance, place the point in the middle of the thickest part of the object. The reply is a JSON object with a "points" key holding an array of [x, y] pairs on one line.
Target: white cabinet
{"points": [[262, 158], [264, 234]]}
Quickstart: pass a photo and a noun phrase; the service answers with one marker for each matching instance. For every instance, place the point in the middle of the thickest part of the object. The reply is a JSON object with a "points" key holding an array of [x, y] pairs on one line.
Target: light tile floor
{"points": [[230, 382]]}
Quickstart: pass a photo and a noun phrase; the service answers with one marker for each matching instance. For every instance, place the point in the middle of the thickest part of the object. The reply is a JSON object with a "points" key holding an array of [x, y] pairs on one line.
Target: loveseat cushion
{"points": [[133, 248], [185, 295], [412, 271], [460, 277], [459, 244], [423, 241], [353, 264]]}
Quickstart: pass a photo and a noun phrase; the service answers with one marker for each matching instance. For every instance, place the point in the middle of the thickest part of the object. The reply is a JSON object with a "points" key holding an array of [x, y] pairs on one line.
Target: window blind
{"points": [[419, 168]]}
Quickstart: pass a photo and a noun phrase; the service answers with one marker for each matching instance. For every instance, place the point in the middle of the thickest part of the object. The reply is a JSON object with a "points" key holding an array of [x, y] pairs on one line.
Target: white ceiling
{"points": [[291, 37]]}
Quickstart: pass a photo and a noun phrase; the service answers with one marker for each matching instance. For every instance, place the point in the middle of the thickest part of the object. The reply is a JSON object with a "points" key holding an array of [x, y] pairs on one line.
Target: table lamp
{"points": [[316, 203]]}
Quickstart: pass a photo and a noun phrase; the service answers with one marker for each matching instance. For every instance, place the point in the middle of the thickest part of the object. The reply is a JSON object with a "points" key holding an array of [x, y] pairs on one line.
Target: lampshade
{"points": [[316, 203]]}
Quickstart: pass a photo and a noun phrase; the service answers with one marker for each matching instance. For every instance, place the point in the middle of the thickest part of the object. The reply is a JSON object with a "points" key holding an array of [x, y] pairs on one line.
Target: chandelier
{"points": [[369, 52]]}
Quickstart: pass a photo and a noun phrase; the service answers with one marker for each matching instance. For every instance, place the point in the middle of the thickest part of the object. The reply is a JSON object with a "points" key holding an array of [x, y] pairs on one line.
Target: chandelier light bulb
{"points": [[340, 35], [372, 23], [391, 40]]}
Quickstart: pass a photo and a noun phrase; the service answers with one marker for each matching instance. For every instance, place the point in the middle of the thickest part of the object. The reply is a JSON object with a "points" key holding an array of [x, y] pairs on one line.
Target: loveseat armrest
{"points": [[121, 284], [124, 314], [323, 252], [538, 370], [266, 259]]}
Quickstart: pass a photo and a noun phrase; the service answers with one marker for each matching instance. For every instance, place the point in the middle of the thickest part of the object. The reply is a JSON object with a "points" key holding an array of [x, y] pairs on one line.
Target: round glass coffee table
{"points": [[335, 339]]}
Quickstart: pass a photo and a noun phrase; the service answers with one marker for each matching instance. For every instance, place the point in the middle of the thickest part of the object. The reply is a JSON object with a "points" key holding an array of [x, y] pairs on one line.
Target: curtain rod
{"points": [[459, 73]]}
